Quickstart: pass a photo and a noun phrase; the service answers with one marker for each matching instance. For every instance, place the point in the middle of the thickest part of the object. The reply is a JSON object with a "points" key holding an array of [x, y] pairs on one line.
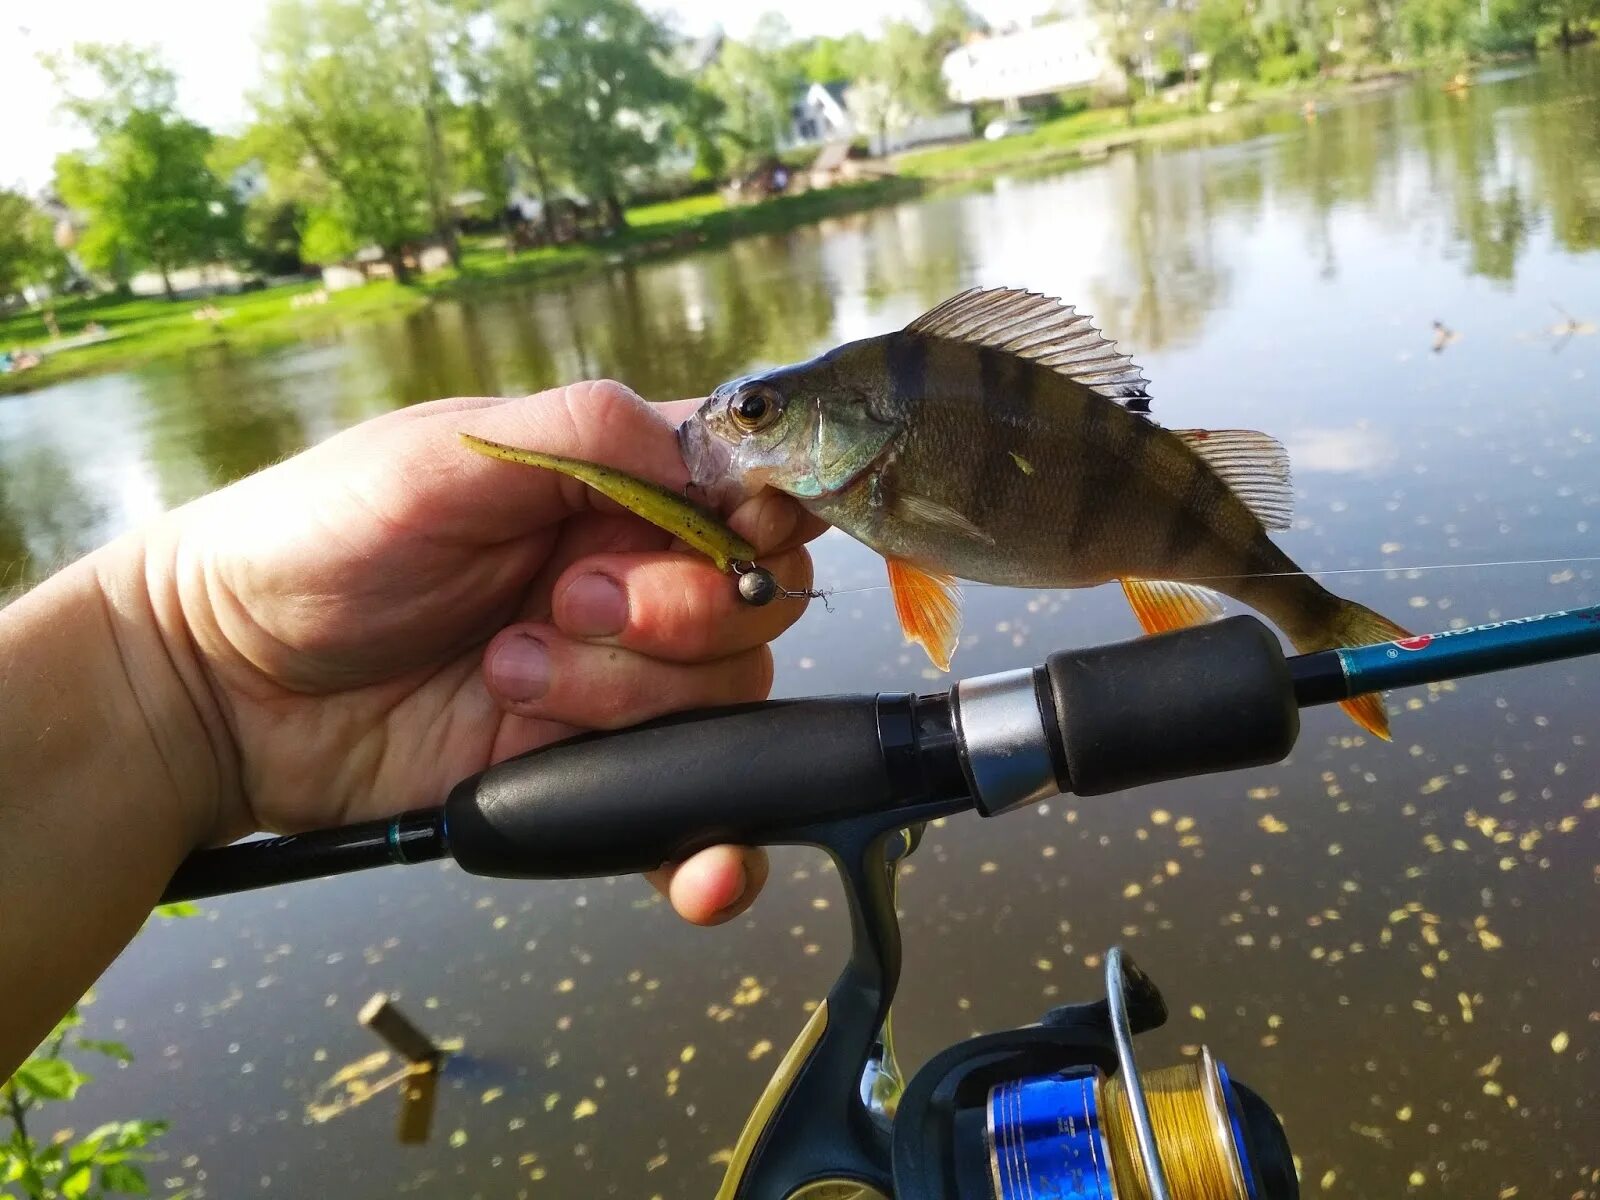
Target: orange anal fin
{"points": [[1369, 713], [929, 608], [1162, 606]]}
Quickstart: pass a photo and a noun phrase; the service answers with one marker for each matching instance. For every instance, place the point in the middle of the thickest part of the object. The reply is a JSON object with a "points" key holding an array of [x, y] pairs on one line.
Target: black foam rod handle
{"points": [[1217, 697], [630, 801]]}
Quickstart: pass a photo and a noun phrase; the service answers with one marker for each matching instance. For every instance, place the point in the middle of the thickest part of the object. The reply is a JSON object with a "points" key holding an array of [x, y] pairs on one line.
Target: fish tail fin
{"points": [[1355, 624]]}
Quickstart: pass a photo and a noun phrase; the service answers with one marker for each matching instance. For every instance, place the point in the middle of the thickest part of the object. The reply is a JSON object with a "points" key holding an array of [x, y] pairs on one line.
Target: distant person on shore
{"points": [[344, 636]]}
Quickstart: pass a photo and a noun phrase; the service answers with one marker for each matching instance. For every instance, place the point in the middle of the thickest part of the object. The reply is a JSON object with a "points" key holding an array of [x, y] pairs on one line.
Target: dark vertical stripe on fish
{"points": [[1191, 527], [907, 360], [1006, 387], [1094, 497]]}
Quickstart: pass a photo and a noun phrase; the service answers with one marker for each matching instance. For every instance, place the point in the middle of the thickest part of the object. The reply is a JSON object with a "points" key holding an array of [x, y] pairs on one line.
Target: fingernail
{"points": [[520, 669], [594, 606]]}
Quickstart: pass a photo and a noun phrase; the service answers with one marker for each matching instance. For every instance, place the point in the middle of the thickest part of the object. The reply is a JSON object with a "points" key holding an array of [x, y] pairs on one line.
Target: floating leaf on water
{"points": [[584, 1108], [1560, 1042]]}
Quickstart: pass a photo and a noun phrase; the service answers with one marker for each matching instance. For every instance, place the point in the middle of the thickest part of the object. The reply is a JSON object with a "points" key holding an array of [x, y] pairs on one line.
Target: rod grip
{"points": [[1216, 697], [633, 800]]}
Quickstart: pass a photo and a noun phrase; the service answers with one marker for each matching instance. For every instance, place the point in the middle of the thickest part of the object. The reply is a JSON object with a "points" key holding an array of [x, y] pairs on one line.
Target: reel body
{"points": [[1058, 1110]]}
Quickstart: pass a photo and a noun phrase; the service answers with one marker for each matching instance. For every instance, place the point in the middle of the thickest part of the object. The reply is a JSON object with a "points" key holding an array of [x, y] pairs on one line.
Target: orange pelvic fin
{"points": [[929, 608], [1162, 606]]}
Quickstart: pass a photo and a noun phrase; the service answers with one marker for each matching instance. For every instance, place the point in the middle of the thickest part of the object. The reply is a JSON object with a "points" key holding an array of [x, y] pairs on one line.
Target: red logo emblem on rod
{"points": [[1415, 643]]}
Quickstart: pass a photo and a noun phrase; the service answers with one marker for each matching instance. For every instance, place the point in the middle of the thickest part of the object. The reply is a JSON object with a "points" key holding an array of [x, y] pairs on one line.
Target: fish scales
{"points": [[1000, 438], [1114, 491]]}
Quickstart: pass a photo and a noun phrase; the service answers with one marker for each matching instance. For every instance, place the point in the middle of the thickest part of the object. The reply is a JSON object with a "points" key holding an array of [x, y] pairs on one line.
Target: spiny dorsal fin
{"points": [[1040, 328], [1254, 465]]}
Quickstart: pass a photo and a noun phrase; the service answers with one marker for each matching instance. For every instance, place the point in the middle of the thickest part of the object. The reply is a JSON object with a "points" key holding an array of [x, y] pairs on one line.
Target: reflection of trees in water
{"points": [[669, 329], [1470, 159], [1518, 156], [1340, 159], [1564, 141], [47, 519], [914, 250], [214, 423], [1170, 276]]}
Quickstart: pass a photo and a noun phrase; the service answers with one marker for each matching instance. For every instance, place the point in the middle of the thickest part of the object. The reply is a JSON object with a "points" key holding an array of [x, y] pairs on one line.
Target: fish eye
{"points": [[754, 408]]}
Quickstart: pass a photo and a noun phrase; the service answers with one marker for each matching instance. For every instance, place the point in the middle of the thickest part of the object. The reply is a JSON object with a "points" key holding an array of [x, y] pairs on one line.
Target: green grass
{"points": [[147, 328], [671, 212], [1083, 133]]}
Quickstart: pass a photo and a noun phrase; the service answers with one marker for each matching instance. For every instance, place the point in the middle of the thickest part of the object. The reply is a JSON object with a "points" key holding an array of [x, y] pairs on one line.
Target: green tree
{"points": [[755, 85], [146, 187], [836, 60], [28, 252], [949, 23], [590, 88], [1225, 33], [346, 137], [1570, 17], [902, 80], [1132, 30]]}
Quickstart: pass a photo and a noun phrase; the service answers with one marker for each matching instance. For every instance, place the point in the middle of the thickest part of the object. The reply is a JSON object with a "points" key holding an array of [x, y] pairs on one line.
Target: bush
{"points": [[1287, 68]]}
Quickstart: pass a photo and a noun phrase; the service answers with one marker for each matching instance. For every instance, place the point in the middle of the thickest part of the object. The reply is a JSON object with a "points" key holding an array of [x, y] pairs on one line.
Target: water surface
{"points": [[1388, 941]]}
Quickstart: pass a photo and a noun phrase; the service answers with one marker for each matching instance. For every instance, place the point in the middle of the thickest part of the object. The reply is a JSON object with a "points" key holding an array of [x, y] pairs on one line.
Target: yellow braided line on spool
{"points": [[1192, 1130]]}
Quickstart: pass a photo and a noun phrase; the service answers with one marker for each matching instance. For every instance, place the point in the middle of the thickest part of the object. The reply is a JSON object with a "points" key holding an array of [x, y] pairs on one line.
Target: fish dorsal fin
{"points": [[1162, 605], [929, 608], [1255, 467], [1044, 330]]}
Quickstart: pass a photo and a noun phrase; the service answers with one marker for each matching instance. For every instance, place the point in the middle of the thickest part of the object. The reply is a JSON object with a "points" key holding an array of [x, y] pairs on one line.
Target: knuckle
{"points": [[595, 404]]}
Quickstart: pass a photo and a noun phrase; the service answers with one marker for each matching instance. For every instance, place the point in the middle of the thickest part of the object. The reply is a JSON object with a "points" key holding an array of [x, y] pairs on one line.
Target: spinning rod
{"points": [[1215, 697]]}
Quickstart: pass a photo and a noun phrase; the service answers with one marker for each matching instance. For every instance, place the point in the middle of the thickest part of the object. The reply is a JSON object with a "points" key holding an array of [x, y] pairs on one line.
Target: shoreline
{"points": [[158, 330]]}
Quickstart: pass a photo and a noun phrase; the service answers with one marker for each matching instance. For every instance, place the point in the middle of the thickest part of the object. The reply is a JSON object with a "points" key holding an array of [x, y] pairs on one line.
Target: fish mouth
{"points": [[707, 462]]}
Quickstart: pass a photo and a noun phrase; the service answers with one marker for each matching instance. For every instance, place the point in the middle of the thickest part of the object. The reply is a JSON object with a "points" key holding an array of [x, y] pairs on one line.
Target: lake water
{"points": [[1389, 941]]}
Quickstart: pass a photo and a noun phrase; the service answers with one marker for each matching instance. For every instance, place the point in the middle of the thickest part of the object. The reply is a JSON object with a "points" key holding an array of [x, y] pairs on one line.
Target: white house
{"points": [[1058, 57], [839, 112]]}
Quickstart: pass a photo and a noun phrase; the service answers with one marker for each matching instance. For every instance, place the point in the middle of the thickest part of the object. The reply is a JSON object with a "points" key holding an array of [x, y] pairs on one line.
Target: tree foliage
{"points": [[28, 252], [341, 126], [592, 89], [755, 84], [146, 187]]}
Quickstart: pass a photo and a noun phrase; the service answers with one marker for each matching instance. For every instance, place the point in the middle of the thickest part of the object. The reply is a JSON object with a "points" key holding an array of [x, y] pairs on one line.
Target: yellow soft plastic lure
{"points": [[661, 506]]}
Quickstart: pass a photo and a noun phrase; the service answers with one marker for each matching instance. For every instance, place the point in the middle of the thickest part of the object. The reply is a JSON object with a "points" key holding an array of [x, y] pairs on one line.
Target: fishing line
{"points": [[824, 593]]}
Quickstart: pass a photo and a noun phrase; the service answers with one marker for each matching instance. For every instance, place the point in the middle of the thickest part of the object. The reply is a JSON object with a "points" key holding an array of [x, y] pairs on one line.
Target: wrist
{"points": [[171, 709]]}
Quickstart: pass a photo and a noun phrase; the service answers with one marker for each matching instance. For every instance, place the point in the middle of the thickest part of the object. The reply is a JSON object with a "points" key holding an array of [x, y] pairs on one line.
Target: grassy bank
{"points": [[1094, 132], [151, 328], [148, 328]]}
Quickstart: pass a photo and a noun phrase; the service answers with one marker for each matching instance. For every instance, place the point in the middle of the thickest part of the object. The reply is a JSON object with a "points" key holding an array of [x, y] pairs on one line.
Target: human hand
{"points": [[387, 613]]}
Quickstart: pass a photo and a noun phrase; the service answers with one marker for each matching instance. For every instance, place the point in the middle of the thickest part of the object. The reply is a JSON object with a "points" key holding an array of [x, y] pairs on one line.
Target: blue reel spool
{"points": [[1056, 1136]]}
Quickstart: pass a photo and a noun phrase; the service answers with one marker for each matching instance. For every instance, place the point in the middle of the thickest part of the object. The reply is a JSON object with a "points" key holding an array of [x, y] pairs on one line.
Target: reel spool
{"points": [[1180, 1133], [1073, 1135], [1061, 1111]]}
